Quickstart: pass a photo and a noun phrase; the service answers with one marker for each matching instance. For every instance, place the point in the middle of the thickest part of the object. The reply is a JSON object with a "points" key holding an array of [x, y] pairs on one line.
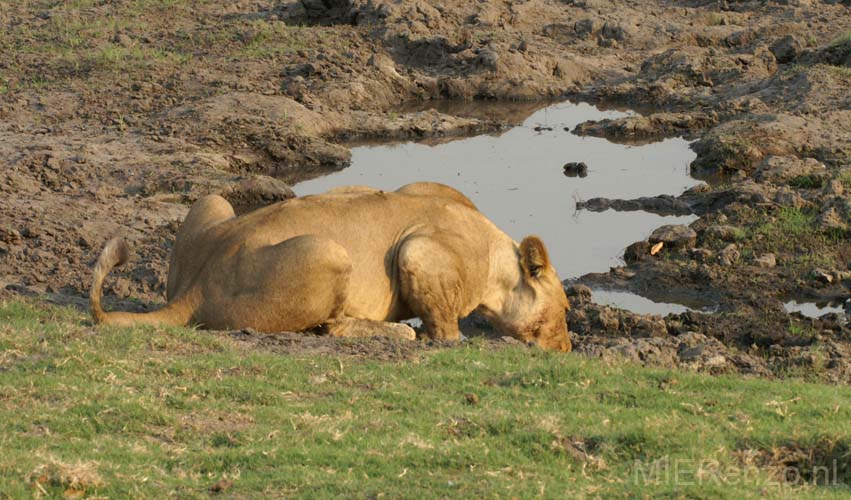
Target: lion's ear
{"points": [[533, 256]]}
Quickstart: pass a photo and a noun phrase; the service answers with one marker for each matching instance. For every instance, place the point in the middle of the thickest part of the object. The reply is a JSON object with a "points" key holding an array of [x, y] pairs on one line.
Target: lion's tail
{"points": [[115, 253]]}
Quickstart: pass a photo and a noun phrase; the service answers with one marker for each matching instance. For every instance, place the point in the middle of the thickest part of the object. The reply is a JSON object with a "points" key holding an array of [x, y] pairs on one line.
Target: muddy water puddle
{"points": [[814, 309], [636, 303], [517, 179]]}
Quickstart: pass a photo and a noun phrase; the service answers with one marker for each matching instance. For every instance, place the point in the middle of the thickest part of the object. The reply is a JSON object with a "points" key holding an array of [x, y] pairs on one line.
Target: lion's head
{"points": [[535, 309]]}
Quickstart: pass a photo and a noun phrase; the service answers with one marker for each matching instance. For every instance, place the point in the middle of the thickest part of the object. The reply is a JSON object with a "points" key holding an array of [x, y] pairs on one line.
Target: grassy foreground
{"points": [[155, 413]]}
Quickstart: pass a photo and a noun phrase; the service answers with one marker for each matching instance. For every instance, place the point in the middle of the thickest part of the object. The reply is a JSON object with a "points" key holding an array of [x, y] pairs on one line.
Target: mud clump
{"points": [[787, 49], [674, 236], [661, 205], [633, 129], [575, 169], [791, 169], [256, 191]]}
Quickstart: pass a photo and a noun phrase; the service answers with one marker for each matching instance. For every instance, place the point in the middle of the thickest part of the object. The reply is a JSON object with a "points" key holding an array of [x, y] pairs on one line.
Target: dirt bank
{"points": [[114, 117]]}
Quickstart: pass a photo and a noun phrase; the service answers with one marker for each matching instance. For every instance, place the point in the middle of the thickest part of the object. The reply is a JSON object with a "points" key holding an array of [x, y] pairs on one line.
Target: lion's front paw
{"points": [[399, 331]]}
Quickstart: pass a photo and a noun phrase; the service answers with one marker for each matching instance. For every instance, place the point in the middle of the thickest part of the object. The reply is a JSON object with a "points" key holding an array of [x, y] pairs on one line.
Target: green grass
{"points": [[77, 40], [271, 39], [85, 39], [840, 71], [793, 228], [792, 234], [790, 222], [790, 230], [739, 234], [807, 182], [844, 39], [714, 19], [155, 413], [804, 331]]}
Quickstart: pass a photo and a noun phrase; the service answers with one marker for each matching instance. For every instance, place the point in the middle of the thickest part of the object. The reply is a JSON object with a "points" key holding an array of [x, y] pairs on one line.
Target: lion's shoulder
{"points": [[436, 190]]}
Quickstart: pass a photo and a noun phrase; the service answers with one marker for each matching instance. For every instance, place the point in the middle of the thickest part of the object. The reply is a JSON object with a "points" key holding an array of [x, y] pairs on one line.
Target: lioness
{"points": [[352, 259]]}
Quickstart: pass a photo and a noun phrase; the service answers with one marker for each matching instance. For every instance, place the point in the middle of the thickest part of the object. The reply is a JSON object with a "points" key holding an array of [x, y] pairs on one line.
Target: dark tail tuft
{"points": [[115, 253]]}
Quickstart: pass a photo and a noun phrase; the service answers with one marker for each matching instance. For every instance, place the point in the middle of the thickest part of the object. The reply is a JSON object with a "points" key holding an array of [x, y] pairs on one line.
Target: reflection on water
{"points": [[812, 309], [517, 180], [635, 303], [512, 112]]}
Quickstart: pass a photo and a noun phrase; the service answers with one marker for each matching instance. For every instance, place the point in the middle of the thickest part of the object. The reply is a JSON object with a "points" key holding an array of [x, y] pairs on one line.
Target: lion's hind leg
{"points": [[207, 212], [292, 286]]}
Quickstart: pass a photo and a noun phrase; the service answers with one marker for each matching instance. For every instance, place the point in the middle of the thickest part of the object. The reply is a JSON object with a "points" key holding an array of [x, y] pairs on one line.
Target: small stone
{"points": [[700, 188], [488, 58], [674, 236], [578, 294], [780, 169], [585, 27], [122, 287], [766, 59], [730, 255], [10, 235], [607, 42], [622, 273], [835, 188], [606, 319], [256, 191], [636, 252], [576, 169], [830, 219], [649, 327], [786, 197], [84, 242], [714, 361], [786, 49], [384, 64], [691, 354], [766, 261], [221, 485], [842, 275], [31, 231], [614, 32], [823, 276], [701, 255]]}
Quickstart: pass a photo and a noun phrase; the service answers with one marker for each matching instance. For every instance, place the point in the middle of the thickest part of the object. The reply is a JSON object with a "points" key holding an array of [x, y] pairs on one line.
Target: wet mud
{"points": [[115, 128]]}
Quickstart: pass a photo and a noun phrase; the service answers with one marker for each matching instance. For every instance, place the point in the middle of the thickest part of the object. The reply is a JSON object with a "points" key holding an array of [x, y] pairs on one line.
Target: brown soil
{"points": [[116, 116]]}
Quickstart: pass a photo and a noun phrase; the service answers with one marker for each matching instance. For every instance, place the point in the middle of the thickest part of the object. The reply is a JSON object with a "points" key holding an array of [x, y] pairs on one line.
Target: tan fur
{"points": [[353, 259]]}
